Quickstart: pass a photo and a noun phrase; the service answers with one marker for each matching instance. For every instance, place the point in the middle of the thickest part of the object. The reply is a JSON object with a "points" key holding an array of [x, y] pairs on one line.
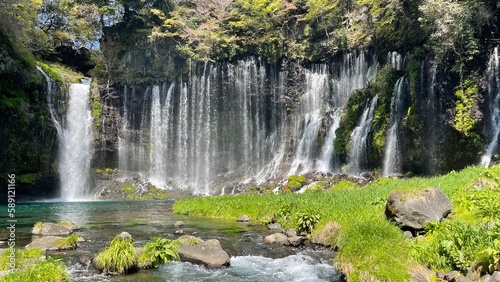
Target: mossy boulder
{"points": [[327, 235], [51, 229], [54, 243], [412, 210]]}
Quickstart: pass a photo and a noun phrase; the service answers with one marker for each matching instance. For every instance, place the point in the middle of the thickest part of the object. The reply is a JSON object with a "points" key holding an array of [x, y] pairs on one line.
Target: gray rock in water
{"points": [[296, 240], [69, 224], [178, 224], [179, 232], [50, 243], [275, 226], [415, 209], [243, 218], [291, 233], [209, 253], [276, 238], [124, 235], [51, 229]]}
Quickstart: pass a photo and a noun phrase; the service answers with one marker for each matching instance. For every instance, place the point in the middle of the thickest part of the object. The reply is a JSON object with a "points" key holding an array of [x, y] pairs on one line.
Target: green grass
{"points": [[369, 245], [67, 242], [118, 257], [22, 257], [49, 270]]}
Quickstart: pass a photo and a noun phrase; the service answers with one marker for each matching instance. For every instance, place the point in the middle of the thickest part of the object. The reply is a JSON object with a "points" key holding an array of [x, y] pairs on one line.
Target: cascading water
{"points": [[75, 138], [311, 113], [231, 123], [359, 136], [50, 101], [392, 162], [76, 144], [494, 94], [325, 162]]}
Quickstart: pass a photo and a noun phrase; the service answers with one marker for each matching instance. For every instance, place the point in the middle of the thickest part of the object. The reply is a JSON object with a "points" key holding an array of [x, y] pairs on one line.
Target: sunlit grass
{"points": [[369, 245]]}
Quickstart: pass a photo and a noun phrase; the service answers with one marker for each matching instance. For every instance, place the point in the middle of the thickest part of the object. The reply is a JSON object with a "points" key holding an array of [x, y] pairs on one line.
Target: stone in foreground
{"points": [[209, 253], [276, 238], [413, 210], [179, 223], [51, 229], [49, 243]]}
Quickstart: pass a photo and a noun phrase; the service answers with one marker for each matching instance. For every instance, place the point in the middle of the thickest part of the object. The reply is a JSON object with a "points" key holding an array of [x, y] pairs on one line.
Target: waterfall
{"points": [[325, 163], [75, 138], [311, 113], [494, 96], [359, 136], [244, 122], [76, 144], [392, 162], [50, 102], [395, 60]]}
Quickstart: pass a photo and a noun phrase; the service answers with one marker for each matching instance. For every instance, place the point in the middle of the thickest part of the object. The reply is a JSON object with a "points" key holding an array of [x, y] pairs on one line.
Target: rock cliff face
{"points": [[250, 121]]}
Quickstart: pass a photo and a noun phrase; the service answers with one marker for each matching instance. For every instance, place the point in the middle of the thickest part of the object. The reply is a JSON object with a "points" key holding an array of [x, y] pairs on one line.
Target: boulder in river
{"points": [[276, 238], [412, 210], [179, 223], [51, 243], [196, 250], [50, 229]]}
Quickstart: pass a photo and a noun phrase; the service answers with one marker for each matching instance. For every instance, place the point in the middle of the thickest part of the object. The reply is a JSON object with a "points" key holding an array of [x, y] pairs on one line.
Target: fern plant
{"points": [[160, 251], [306, 221]]}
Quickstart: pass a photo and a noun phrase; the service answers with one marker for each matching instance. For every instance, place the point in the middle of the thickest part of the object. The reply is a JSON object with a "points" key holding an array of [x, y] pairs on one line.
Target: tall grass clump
{"points": [[119, 257], [369, 245]]}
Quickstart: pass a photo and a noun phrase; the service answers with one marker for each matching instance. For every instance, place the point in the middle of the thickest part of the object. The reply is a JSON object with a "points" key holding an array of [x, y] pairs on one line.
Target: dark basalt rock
{"points": [[413, 210]]}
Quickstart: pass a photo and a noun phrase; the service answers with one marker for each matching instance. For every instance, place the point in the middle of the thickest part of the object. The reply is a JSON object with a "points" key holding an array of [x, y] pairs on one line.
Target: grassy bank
{"points": [[369, 245]]}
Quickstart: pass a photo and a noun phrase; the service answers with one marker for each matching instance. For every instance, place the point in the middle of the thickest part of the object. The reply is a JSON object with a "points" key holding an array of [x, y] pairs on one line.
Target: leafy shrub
{"points": [[458, 245], [306, 221], [119, 257], [284, 214], [160, 251]]}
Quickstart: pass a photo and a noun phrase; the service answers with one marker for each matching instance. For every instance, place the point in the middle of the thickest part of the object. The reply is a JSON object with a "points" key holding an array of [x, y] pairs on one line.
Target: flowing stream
{"points": [[251, 259]]}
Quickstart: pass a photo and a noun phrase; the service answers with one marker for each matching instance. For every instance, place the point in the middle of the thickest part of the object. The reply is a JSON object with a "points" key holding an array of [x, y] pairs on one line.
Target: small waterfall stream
{"points": [[359, 136], [494, 94], [392, 162]]}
